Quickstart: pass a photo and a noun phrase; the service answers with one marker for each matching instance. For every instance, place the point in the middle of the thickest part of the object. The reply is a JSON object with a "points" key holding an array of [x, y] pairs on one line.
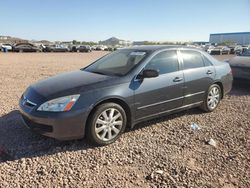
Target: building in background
{"points": [[242, 38]]}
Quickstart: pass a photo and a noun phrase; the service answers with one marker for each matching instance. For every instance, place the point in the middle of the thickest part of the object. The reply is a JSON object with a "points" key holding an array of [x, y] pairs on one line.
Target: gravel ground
{"points": [[163, 152]]}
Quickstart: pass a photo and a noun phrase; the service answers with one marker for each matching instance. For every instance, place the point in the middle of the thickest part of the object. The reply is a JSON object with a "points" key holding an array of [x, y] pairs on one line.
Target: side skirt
{"points": [[167, 112]]}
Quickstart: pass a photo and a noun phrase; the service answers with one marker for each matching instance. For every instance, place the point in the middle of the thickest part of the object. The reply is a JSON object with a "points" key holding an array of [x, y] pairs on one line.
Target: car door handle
{"points": [[209, 72], [177, 79]]}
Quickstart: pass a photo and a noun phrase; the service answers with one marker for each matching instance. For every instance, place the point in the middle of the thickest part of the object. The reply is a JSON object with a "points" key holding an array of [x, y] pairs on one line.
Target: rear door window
{"points": [[192, 59], [207, 62]]}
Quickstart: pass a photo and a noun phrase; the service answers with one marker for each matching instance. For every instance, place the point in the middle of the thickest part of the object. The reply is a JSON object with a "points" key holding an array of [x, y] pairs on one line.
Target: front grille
{"points": [[40, 128]]}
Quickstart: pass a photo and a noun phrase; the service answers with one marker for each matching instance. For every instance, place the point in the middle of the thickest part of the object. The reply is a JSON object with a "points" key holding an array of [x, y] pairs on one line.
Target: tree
{"points": [[226, 43], [75, 42]]}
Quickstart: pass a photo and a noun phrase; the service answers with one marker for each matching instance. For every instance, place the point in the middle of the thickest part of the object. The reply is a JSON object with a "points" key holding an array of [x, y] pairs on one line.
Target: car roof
{"points": [[159, 47]]}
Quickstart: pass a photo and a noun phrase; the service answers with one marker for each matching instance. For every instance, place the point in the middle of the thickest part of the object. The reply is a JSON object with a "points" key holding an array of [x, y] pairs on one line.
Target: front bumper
{"points": [[59, 125]]}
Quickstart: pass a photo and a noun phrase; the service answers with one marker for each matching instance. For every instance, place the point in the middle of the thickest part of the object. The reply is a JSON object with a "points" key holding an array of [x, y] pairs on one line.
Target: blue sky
{"points": [[94, 20]]}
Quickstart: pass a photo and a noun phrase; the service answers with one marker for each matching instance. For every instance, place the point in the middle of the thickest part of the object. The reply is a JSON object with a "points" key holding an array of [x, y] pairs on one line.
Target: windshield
{"points": [[117, 63], [246, 53]]}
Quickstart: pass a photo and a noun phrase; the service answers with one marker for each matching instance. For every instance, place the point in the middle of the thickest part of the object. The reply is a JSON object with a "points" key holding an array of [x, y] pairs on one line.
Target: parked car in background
{"points": [[210, 48], [245, 47], [219, 50], [93, 47], [232, 47], [238, 49], [105, 48], [45, 48], [84, 48], [124, 88], [6, 47], [73, 48], [55, 48], [26, 47], [58, 48], [225, 50], [207, 46], [110, 48], [101, 47], [240, 65]]}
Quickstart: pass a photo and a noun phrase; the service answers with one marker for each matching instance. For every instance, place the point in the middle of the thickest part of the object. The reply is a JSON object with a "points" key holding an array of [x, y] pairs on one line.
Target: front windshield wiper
{"points": [[103, 73]]}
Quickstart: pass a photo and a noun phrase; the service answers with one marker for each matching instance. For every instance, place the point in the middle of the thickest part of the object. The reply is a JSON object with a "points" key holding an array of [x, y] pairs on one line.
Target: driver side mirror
{"points": [[148, 73]]}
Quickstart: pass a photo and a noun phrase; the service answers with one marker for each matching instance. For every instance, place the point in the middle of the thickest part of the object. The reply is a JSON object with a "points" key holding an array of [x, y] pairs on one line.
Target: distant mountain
{"points": [[45, 42], [11, 40], [113, 41]]}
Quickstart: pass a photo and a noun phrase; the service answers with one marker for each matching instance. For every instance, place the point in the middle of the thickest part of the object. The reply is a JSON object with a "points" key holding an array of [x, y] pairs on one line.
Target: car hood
{"points": [[243, 61], [68, 83]]}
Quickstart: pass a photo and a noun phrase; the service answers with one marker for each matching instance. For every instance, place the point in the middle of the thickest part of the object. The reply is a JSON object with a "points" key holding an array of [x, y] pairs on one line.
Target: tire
{"points": [[212, 98], [103, 129]]}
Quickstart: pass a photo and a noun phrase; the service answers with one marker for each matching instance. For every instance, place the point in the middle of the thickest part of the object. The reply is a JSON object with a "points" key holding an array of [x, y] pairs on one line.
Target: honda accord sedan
{"points": [[123, 88]]}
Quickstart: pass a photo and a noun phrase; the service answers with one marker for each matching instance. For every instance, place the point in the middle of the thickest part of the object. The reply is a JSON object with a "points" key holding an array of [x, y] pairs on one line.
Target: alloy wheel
{"points": [[108, 124], [213, 98]]}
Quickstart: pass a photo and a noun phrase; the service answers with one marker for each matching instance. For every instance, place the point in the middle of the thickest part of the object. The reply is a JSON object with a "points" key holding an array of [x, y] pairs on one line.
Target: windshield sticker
{"points": [[138, 53]]}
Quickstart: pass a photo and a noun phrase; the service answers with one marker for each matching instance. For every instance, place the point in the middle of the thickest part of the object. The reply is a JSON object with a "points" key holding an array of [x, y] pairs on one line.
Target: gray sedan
{"points": [[123, 88], [241, 65]]}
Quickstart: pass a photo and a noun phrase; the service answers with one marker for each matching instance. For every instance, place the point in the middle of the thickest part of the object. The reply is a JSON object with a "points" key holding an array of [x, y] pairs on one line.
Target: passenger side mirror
{"points": [[149, 73]]}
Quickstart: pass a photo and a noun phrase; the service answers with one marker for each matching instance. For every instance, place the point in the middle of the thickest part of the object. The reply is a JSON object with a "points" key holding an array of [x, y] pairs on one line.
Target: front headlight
{"points": [[62, 104]]}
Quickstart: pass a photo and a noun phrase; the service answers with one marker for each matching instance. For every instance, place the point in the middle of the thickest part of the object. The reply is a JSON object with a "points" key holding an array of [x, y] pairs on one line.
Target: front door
{"points": [[163, 93]]}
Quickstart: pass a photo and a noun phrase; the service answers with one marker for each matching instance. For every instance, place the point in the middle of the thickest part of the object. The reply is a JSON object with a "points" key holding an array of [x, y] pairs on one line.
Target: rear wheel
{"points": [[106, 124], [212, 98]]}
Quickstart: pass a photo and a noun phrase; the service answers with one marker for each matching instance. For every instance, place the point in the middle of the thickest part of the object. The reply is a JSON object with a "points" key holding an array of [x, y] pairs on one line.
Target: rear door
{"points": [[165, 92], [199, 74]]}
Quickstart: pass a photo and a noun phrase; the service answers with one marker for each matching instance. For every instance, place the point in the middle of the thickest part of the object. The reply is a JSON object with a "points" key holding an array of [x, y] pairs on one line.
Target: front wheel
{"points": [[212, 98], [106, 124]]}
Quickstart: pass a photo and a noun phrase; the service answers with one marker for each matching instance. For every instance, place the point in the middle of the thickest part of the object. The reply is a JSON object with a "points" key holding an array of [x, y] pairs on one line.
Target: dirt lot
{"points": [[163, 152]]}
